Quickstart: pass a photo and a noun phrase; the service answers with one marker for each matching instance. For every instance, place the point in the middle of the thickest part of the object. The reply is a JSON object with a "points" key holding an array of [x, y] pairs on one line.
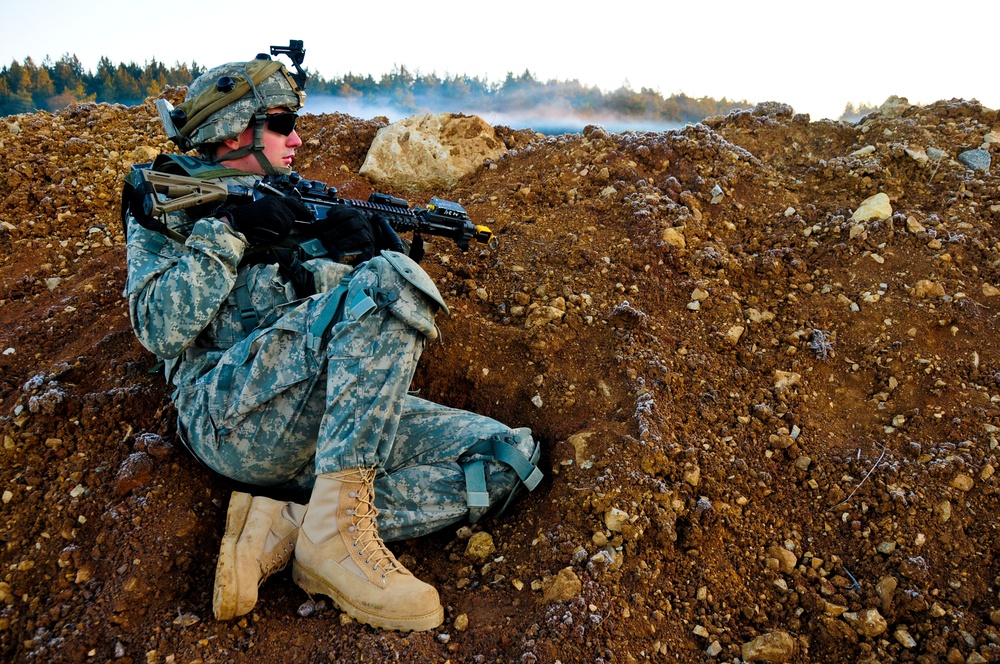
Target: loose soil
{"points": [[760, 417]]}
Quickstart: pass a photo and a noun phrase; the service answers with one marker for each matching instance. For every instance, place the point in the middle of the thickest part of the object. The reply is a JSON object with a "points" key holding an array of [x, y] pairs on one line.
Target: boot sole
{"points": [[225, 595], [315, 585]]}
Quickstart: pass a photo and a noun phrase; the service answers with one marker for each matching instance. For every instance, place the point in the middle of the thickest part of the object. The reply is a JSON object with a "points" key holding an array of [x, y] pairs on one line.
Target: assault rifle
{"points": [[166, 192]]}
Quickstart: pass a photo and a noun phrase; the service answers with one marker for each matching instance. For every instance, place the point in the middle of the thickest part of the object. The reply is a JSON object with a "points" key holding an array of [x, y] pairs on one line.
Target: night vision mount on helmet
{"points": [[221, 103]]}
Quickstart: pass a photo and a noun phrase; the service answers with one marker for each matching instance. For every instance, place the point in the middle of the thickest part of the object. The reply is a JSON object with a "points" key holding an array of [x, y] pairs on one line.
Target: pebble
{"points": [[874, 208], [771, 647], [717, 195], [786, 559], [135, 471], [867, 623], [480, 546], [734, 334], [905, 639], [714, 649], [886, 589], [693, 476], [935, 154], [977, 160], [927, 288], [674, 237], [615, 519], [462, 622], [886, 548], [784, 379], [561, 587], [962, 482], [186, 620], [914, 226]]}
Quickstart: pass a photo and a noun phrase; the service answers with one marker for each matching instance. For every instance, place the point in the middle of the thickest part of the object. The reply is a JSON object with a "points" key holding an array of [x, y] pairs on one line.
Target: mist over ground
{"points": [[549, 119]]}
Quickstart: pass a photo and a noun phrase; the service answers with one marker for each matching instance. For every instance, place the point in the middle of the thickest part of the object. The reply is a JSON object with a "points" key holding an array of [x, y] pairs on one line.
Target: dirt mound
{"points": [[769, 418]]}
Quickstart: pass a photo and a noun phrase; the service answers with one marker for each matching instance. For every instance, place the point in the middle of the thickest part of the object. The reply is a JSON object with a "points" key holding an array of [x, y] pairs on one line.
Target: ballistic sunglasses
{"points": [[282, 123]]}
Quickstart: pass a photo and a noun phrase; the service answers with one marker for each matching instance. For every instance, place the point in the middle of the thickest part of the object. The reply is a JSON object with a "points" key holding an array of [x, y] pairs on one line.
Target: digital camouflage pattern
{"points": [[276, 90], [320, 385]]}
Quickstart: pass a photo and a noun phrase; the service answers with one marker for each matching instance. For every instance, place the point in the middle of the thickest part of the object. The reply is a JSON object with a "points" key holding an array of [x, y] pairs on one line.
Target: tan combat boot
{"points": [[339, 554], [259, 540]]}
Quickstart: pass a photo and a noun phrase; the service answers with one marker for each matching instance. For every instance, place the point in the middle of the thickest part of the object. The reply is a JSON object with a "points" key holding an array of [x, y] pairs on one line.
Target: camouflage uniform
{"points": [[320, 384]]}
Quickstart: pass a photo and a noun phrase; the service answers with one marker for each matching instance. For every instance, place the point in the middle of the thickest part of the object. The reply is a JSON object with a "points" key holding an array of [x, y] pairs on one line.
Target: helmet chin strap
{"points": [[256, 149]]}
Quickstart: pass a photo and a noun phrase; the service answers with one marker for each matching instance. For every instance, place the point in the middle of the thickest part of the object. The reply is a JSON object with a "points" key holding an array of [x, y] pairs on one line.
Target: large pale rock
{"points": [[430, 151]]}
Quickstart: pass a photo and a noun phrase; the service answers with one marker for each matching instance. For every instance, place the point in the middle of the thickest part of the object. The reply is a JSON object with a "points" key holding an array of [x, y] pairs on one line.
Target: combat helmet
{"points": [[221, 103]]}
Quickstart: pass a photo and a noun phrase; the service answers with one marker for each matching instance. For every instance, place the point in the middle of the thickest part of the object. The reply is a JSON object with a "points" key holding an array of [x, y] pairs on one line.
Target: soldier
{"points": [[293, 373]]}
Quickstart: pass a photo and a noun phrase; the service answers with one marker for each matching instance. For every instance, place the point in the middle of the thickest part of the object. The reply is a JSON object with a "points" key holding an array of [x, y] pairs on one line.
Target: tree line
{"points": [[28, 87]]}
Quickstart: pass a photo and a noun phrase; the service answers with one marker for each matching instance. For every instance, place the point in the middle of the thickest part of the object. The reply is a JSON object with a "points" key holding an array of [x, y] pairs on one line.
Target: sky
{"points": [[815, 56]]}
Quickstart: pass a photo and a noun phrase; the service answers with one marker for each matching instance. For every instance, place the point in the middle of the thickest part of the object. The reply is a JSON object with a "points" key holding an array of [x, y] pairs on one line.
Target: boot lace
{"points": [[280, 555], [364, 529]]}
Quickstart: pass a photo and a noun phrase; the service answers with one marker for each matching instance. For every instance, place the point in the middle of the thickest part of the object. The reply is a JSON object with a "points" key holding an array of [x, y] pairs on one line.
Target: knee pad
{"points": [[417, 298]]}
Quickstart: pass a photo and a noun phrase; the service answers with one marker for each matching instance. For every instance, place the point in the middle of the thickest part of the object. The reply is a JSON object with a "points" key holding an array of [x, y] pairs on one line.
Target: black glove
{"points": [[266, 221], [417, 248], [347, 235], [385, 236]]}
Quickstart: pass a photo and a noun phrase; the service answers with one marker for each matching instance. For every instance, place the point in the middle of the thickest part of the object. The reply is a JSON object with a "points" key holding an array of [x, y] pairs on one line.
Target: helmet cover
{"points": [[221, 102]]}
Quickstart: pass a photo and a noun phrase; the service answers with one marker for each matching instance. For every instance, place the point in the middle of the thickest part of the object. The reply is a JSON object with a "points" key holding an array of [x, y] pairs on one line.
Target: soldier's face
{"points": [[279, 149]]}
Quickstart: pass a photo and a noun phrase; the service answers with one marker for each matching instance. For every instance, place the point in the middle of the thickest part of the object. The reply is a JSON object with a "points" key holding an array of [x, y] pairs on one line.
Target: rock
{"points": [[977, 160], [914, 226], [989, 290], [786, 559], [962, 482], [462, 622], [692, 475], [893, 107], [615, 519], [905, 639], [155, 444], [430, 151], [886, 548], [936, 154], [885, 589], [785, 379], [917, 154], [480, 547], [699, 295], [562, 587], [875, 208], [143, 154], [674, 237], [867, 623], [734, 333], [833, 610], [136, 471], [543, 315], [927, 288], [771, 647], [717, 195]]}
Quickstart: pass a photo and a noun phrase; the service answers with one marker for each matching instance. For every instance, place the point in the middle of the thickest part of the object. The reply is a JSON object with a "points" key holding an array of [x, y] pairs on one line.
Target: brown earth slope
{"points": [[770, 430]]}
